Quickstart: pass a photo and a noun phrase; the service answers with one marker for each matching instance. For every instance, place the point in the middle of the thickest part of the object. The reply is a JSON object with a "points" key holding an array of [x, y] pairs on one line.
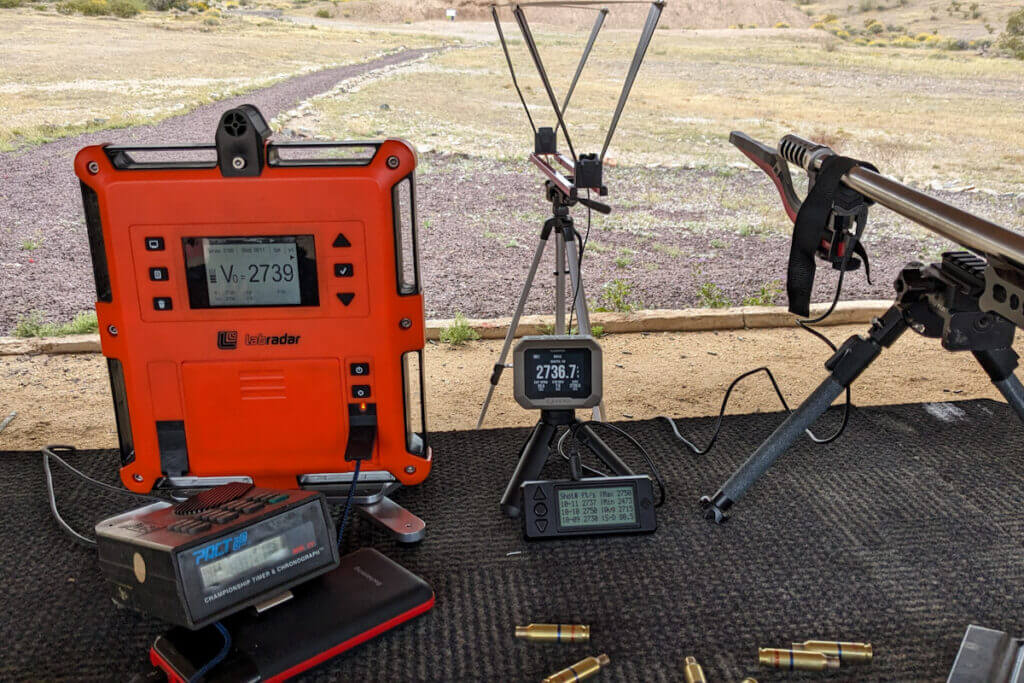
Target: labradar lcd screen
{"points": [[231, 272]]}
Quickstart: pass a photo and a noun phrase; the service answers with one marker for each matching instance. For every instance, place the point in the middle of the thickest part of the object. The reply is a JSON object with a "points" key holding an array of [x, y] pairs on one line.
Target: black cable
{"points": [[636, 444], [50, 452], [348, 502], [218, 658], [806, 325], [579, 265]]}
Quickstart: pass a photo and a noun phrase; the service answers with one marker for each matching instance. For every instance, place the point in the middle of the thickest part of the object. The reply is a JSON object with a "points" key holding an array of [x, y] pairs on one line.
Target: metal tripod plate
{"points": [[403, 526]]}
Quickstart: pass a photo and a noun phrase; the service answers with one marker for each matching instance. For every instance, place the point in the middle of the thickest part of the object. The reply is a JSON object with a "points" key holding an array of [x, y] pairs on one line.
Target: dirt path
{"points": [[679, 374], [39, 193]]}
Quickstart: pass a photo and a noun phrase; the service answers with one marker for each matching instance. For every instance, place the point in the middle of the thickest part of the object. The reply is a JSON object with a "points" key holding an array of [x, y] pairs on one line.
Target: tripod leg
{"points": [[531, 462], [580, 296], [1000, 364], [852, 358], [499, 367], [587, 437], [559, 283]]}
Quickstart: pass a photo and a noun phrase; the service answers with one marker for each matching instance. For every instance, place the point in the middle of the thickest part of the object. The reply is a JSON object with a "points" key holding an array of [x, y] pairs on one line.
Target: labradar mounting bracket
{"points": [[259, 304]]}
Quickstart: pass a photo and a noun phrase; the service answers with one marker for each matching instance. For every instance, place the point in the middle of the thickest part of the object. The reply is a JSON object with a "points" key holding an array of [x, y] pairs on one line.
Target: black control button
{"points": [[540, 509], [158, 274], [251, 507], [342, 270], [359, 369], [542, 524], [361, 391], [539, 495], [154, 244], [341, 241], [162, 303], [346, 297]]}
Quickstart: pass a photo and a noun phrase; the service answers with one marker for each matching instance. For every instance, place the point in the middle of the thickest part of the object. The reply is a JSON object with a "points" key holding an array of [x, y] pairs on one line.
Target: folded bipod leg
{"points": [[848, 362]]}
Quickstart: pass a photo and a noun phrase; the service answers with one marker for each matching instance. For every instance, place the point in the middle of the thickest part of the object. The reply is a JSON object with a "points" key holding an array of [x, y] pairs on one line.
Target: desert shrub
{"points": [[782, 24], [867, 5], [905, 41], [861, 41], [1012, 39], [165, 5], [90, 8], [459, 332], [765, 296], [818, 25], [8, 4], [844, 35], [875, 27], [617, 295], [211, 21], [323, 13], [125, 8], [828, 18], [878, 43], [955, 44], [710, 295]]}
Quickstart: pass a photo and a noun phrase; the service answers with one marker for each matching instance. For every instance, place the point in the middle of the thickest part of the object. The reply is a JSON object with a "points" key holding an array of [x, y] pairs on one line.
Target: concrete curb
{"points": [[685, 320]]}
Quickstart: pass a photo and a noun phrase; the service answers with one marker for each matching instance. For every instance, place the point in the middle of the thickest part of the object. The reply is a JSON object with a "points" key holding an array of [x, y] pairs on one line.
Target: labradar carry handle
{"points": [[827, 223]]}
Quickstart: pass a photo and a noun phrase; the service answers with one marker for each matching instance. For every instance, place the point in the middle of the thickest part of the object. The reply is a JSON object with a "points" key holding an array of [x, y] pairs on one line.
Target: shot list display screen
{"points": [[558, 373], [599, 506], [225, 272]]}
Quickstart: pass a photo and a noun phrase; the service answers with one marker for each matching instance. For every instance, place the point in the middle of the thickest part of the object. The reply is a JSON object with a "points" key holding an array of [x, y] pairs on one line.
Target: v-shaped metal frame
{"points": [[561, 188]]}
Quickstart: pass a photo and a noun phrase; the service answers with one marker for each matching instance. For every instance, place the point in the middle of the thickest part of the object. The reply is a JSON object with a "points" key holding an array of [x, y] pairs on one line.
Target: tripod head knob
{"points": [[600, 207]]}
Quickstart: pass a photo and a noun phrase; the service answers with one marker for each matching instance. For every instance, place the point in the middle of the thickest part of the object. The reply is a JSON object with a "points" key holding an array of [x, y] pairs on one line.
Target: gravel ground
{"points": [[40, 200], [677, 237]]}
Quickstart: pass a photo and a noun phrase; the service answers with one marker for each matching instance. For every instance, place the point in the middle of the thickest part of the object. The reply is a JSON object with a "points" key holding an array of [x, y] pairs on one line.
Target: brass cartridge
{"points": [[554, 633], [693, 672], [846, 653], [802, 660], [584, 668]]}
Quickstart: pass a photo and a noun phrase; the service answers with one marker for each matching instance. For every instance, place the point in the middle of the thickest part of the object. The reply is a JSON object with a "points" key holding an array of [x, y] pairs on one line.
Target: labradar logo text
{"points": [[228, 339]]}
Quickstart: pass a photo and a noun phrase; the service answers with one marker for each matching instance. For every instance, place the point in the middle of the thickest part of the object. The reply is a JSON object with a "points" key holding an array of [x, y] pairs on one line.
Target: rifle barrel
{"points": [[957, 225], [944, 219]]}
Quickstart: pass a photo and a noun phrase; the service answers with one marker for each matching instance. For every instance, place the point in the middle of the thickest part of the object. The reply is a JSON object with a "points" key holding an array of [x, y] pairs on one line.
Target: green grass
{"points": [[31, 245], [33, 325], [667, 249], [766, 296], [459, 332]]}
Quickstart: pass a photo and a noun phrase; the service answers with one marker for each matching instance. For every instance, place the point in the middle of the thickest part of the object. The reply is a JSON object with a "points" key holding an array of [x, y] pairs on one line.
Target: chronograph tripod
{"points": [[557, 374]]}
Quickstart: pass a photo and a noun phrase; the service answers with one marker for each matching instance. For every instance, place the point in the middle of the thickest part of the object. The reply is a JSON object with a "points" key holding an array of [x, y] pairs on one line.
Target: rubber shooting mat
{"points": [[902, 533]]}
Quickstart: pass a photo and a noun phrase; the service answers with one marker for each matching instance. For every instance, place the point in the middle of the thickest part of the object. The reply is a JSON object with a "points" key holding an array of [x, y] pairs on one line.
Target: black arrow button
{"points": [[346, 297], [341, 241]]}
